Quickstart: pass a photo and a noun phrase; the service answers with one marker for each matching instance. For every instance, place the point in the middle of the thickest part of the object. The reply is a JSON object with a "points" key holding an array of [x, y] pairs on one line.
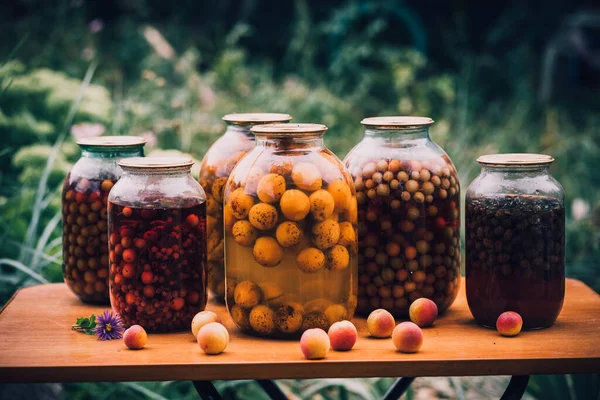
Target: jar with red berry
{"points": [[408, 216], [157, 244], [84, 215], [217, 164]]}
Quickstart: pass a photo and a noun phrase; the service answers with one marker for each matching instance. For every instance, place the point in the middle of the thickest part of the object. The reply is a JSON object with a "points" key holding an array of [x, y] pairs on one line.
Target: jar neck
{"points": [[112, 152], [399, 134], [239, 130], [516, 170], [290, 142]]}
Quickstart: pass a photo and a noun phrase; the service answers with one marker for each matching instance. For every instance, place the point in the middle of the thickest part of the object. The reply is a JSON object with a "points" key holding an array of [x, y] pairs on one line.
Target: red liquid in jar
{"points": [[158, 265]]}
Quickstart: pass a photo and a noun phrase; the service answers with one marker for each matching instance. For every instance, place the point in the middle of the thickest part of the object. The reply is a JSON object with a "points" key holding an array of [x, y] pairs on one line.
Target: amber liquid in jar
{"points": [[85, 254], [158, 265], [514, 258], [409, 233]]}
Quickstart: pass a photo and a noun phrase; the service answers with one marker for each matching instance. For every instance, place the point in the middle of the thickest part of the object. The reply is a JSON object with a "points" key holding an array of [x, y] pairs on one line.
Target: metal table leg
{"points": [[398, 388], [272, 389], [516, 387], [207, 390]]}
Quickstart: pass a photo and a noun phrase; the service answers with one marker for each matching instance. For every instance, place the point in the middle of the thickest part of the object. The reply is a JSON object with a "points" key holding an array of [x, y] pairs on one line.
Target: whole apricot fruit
{"points": [[270, 188], [247, 294], [288, 233], [342, 335], [423, 312], [347, 234], [380, 323], [335, 313], [407, 337], [267, 252], [310, 260], [325, 234], [244, 233], [262, 319], [294, 205], [213, 338], [307, 176], [135, 337], [263, 216], [240, 316], [321, 204], [314, 344], [340, 191], [203, 318], [240, 203], [509, 323], [338, 258], [288, 317], [272, 294]]}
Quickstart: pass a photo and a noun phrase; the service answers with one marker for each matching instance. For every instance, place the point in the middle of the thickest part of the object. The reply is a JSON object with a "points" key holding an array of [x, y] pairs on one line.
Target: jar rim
{"points": [[256, 118], [514, 159], [396, 122], [112, 141], [156, 163], [284, 130]]}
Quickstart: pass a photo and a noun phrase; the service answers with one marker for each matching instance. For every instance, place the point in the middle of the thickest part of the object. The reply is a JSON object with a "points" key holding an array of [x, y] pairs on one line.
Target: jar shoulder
{"points": [[95, 168], [539, 184], [421, 149], [157, 191]]}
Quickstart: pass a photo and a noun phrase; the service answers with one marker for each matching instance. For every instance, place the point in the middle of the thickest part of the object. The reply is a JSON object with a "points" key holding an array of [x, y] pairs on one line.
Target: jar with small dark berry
{"points": [[217, 164], [408, 197], [515, 240], [157, 244], [84, 215]]}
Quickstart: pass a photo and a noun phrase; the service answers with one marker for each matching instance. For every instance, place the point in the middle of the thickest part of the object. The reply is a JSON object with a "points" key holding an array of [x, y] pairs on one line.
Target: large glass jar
{"points": [[408, 216], [157, 244], [290, 234], [84, 197], [515, 240], [217, 164]]}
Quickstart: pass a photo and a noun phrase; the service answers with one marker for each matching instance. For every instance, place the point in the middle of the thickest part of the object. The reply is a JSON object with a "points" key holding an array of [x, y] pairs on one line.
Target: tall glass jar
{"points": [[290, 234], [408, 216], [157, 244], [84, 197], [515, 240], [217, 164]]}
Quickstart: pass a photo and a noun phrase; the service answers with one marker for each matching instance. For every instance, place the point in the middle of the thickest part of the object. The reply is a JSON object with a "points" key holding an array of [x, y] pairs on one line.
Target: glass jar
{"points": [[216, 166], [84, 197], [515, 240], [157, 244], [290, 234], [408, 216]]}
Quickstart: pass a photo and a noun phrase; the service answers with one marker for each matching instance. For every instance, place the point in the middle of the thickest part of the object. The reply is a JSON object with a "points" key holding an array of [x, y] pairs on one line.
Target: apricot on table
{"points": [[321, 204], [342, 335], [267, 251], [203, 318], [213, 338], [270, 188], [294, 204], [509, 323], [407, 337], [380, 323], [307, 176], [314, 344], [244, 233], [135, 337], [263, 216], [423, 312], [288, 233], [310, 260], [247, 294]]}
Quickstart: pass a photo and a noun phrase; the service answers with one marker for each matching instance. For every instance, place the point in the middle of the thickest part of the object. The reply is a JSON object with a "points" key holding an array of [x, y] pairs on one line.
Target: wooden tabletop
{"points": [[38, 345]]}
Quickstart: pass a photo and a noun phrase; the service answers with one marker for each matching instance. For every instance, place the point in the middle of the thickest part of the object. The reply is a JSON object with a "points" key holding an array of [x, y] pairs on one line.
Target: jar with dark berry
{"points": [[408, 216], [515, 240], [157, 244], [290, 234], [216, 166], [84, 215]]}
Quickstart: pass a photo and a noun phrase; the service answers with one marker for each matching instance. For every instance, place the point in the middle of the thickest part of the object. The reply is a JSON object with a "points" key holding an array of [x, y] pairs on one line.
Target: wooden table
{"points": [[38, 345]]}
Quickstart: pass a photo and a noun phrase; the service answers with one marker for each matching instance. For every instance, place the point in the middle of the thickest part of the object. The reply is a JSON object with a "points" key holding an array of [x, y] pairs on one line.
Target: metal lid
{"points": [[398, 122], [284, 130], [112, 141], [256, 118], [156, 163], [515, 159]]}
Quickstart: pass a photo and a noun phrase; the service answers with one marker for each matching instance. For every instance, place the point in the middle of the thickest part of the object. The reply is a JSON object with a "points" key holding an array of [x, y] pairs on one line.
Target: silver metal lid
{"points": [[398, 122], [156, 163], [256, 118], [285, 130], [515, 159], [112, 141]]}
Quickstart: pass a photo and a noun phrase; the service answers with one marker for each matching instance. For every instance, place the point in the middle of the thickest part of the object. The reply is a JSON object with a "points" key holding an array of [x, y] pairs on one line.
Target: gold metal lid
{"points": [[156, 163], [284, 130], [112, 141], [515, 159], [398, 122], [256, 118]]}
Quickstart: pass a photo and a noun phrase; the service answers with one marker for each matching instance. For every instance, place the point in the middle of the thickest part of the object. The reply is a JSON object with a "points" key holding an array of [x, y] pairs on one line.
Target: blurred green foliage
{"points": [[172, 72]]}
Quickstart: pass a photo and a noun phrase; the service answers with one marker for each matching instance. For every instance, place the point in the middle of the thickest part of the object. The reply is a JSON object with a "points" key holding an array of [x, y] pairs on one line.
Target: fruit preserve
{"points": [[408, 216], [515, 240], [217, 164], [84, 216], [290, 234], [157, 244]]}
